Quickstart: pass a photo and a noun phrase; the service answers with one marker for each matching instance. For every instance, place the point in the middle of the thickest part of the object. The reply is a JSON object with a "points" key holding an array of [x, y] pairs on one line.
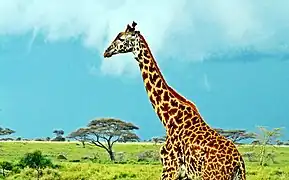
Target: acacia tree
{"points": [[59, 135], [236, 135], [104, 132], [158, 139], [6, 131], [58, 132], [265, 139]]}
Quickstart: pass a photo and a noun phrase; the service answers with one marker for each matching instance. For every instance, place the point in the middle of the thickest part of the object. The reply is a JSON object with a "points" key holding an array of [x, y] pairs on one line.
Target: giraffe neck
{"points": [[164, 99]]}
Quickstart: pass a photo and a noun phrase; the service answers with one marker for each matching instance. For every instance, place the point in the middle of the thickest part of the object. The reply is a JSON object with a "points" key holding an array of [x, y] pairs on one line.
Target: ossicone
{"points": [[131, 28]]}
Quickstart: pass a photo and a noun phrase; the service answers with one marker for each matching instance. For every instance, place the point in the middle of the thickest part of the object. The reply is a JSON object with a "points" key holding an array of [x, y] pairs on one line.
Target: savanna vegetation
{"points": [[108, 148]]}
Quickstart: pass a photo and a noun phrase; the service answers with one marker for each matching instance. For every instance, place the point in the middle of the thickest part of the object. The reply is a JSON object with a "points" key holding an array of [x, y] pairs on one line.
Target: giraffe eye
{"points": [[121, 38]]}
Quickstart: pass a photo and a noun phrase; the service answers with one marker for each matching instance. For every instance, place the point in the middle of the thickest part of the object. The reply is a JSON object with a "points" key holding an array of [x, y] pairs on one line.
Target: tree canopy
{"points": [[58, 132], [264, 138], [59, 135], [6, 131], [104, 132], [236, 135], [80, 134], [35, 160]]}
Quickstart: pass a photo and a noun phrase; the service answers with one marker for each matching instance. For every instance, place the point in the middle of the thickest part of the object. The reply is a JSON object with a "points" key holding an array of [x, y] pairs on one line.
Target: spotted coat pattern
{"points": [[193, 150]]}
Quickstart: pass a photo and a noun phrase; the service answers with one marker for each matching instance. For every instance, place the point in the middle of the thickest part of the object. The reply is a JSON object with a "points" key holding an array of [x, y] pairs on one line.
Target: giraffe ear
{"points": [[128, 28]]}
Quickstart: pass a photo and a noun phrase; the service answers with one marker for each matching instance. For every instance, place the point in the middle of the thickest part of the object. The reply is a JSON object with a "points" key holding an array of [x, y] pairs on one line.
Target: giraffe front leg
{"points": [[172, 169]]}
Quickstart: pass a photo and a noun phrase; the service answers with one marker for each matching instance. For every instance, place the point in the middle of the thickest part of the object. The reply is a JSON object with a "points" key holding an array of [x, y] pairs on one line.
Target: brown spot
{"points": [[146, 61], [179, 116], [227, 143], [166, 96], [207, 134], [157, 96], [164, 85], [159, 83], [146, 67], [144, 75], [151, 79], [164, 151], [229, 151], [172, 111], [222, 146], [204, 128], [165, 107], [159, 113], [166, 115], [188, 116], [174, 103], [172, 128], [140, 65], [154, 77], [152, 68], [148, 86], [188, 124], [139, 56], [146, 53], [158, 99], [160, 92], [182, 107], [177, 148]]}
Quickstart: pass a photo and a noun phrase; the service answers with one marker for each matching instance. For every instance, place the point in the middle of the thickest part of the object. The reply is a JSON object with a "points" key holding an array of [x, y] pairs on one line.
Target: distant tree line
{"points": [[105, 132]]}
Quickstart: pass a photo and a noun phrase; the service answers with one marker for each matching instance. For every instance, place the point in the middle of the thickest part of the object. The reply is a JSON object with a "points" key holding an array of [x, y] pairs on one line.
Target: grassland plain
{"points": [[92, 163]]}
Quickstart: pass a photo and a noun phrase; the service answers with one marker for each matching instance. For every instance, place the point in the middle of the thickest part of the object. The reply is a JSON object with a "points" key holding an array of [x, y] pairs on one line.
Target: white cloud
{"points": [[181, 29]]}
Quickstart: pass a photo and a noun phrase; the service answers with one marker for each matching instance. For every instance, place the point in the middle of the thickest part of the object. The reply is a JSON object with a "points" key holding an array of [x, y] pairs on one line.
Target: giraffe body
{"points": [[193, 150]]}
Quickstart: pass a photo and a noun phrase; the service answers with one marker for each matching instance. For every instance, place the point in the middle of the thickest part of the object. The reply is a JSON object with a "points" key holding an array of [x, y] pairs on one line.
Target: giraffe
{"points": [[192, 150]]}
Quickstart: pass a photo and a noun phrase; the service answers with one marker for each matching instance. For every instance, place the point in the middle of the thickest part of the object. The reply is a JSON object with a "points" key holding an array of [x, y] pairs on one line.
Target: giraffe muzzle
{"points": [[107, 54]]}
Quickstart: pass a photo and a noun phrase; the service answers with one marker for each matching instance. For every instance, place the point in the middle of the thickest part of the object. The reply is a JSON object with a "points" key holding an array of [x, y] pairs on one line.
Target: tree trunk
{"points": [[83, 144], [111, 155], [262, 155], [3, 172]]}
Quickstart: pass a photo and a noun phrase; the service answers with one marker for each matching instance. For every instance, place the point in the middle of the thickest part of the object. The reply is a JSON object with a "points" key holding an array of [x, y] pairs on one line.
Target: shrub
{"points": [[6, 166], [35, 160], [148, 155], [29, 173]]}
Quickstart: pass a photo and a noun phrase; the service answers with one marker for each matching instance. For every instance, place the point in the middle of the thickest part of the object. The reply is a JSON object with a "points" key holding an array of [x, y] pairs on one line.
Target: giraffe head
{"points": [[124, 42]]}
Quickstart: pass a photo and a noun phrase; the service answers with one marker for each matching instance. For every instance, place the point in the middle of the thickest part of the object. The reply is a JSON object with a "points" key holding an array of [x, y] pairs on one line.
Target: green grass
{"points": [[130, 168]]}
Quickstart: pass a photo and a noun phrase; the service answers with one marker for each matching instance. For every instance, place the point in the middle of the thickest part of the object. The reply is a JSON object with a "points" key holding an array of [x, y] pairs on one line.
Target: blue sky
{"points": [[230, 58]]}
